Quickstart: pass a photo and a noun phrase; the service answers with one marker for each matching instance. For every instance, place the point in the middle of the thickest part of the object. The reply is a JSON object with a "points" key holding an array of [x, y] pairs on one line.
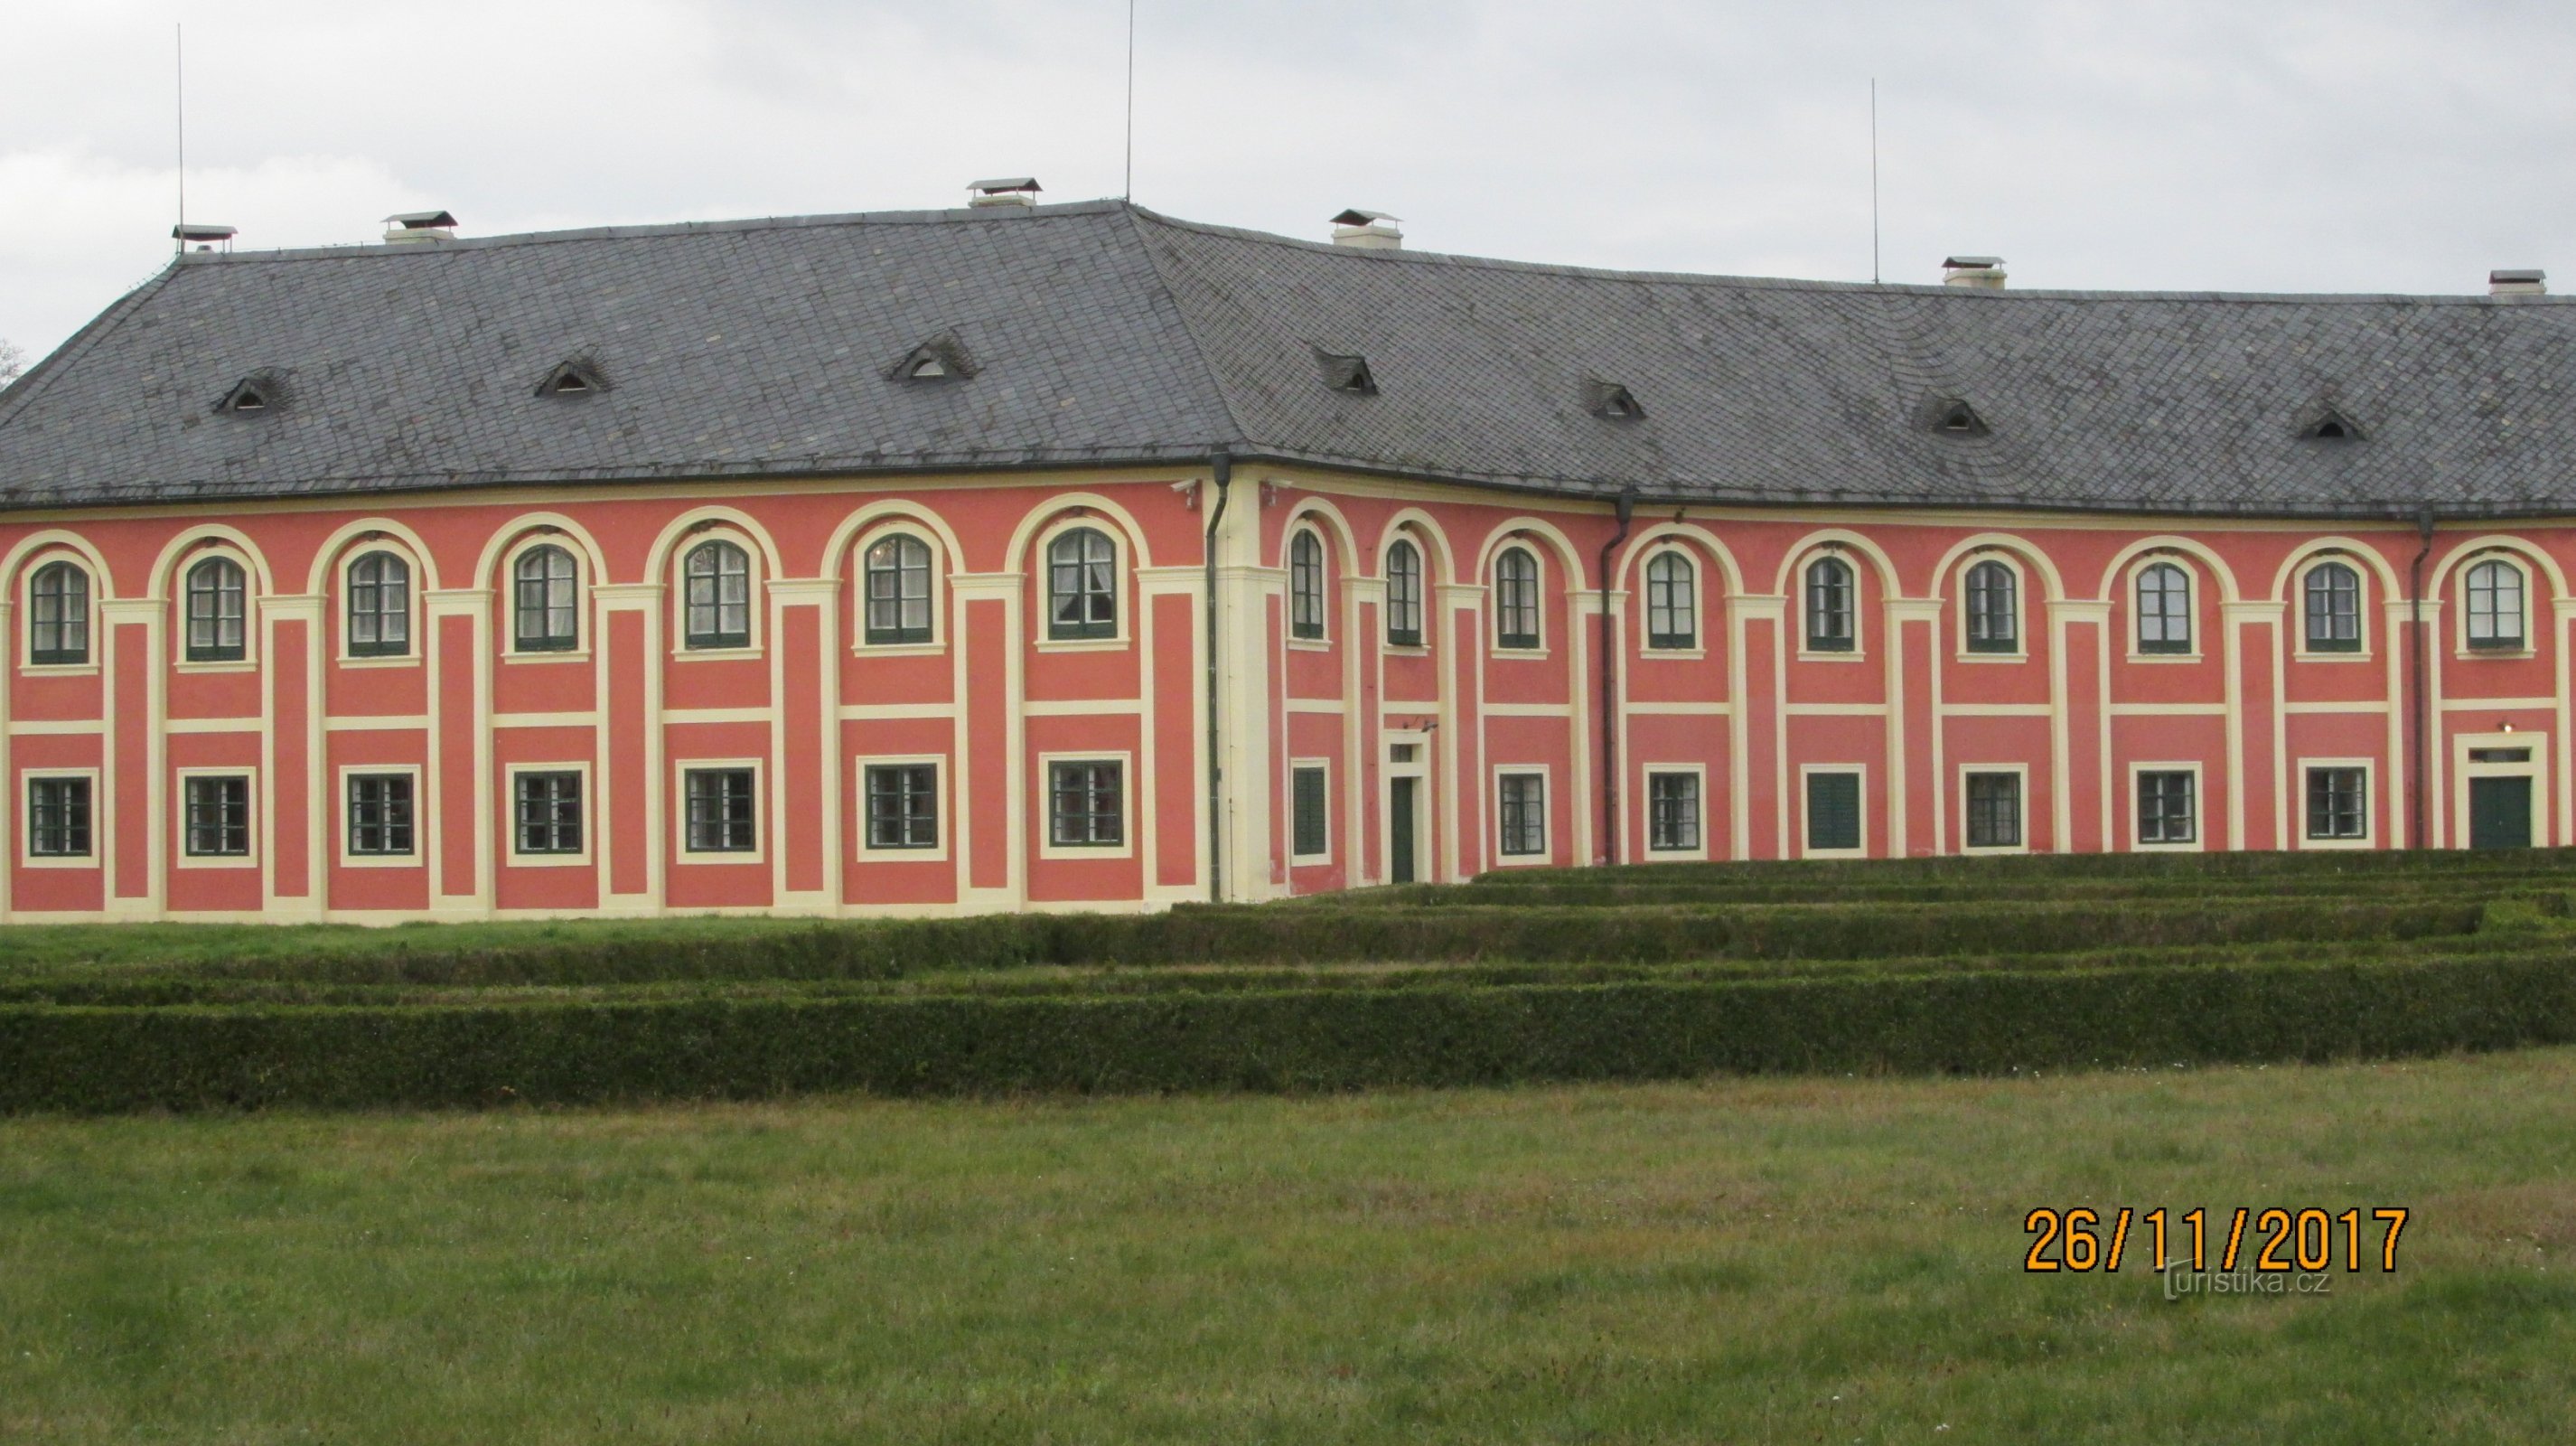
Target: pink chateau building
{"points": [[1075, 556]]}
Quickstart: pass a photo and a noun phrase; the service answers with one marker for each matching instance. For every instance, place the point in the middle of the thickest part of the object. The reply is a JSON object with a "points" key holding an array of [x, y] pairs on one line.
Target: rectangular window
{"points": [[1672, 811], [218, 817], [1311, 825], [380, 814], [58, 818], [1994, 810], [1522, 813], [547, 812], [1833, 811], [903, 806], [2168, 807], [2338, 803], [722, 817], [1087, 804]]}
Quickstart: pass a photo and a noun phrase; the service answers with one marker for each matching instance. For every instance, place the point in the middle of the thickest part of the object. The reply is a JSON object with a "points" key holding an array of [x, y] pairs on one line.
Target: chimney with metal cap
{"points": [[2518, 281], [202, 236], [1003, 191], [1980, 271], [414, 227], [1368, 230]]}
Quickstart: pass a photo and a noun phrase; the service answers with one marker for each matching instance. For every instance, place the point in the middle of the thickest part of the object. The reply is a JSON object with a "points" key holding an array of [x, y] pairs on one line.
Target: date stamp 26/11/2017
{"points": [[2288, 1251]]}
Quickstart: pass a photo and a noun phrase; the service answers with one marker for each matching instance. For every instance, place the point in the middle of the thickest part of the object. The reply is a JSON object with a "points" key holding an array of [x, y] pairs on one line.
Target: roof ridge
{"points": [[1242, 437], [18, 395]]}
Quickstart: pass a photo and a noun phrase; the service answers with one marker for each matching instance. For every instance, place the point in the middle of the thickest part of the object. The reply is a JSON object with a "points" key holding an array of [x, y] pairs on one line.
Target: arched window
{"points": [[717, 580], [1306, 585], [1082, 585], [2495, 605], [2164, 609], [1994, 609], [897, 571], [2334, 608], [1516, 599], [1404, 596], [58, 614], [546, 601], [1672, 602], [379, 606], [218, 611], [1831, 610]]}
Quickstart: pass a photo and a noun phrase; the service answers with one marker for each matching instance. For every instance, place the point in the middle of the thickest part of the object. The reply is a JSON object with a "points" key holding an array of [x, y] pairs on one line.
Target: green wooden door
{"points": [[1399, 830], [2500, 813]]}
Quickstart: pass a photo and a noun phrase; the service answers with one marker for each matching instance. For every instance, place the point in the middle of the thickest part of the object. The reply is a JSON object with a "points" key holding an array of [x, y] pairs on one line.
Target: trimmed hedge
{"points": [[93, 1060], [2245, 863]]}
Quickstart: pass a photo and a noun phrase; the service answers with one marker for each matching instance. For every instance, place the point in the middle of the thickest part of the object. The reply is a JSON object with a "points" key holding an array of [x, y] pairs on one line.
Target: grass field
{"points": [[1823, 1260]]}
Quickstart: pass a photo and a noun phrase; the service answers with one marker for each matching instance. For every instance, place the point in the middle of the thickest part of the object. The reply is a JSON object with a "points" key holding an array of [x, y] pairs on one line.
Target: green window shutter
{"points": [[1310, 833], [1833, 810]]}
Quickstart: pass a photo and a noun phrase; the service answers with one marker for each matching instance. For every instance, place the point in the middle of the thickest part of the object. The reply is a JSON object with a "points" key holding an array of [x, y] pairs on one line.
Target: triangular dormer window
{"points": [[572, 379], [1347, 374], [1616, 403], [2330, 425], [253, 395], [1954, 418], [940, 359]]}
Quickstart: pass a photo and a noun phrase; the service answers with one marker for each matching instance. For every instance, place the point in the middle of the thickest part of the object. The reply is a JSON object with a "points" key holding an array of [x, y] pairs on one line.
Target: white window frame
{"points": [[418, 858], [1130, 824], [2199, 808], [2020, 652], [1859, 650], [858, 572], [1646, 795], [1426, 603], [510, 817], [1323, 641], [2021, 793], [2370, 803], [943, 805], [20, 811], [1546, 854], [1698, 646], [254, 829], [2461, 646], [2360, 610], [413, 657], [1325, 766], [252, 600], [25, 642], [507, 625], [1859, 770], [755, 585], [2138, 614], [1122, 583], [761, 822]]}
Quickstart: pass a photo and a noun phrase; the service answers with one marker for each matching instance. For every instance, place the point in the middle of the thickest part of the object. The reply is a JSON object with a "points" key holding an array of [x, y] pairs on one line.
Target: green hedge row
{"points": [[92, 1060], [1593, 894], [2248, 863], [1257, 934]]}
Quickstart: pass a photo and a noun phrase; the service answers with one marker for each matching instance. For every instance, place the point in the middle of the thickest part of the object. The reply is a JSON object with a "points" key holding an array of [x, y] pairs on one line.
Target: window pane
{"points": [[1833, 810], [1522, 813], [1829, 606], [1672, 802], [1994, 810], [903, 806], [1310, 829]]}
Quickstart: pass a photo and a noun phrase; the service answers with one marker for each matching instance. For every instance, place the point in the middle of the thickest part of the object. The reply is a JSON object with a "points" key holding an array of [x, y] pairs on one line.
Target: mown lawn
{"points": [[1811, 1260]]}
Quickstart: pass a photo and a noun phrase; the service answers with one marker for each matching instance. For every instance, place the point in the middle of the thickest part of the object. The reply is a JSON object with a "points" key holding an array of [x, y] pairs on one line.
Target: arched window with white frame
{"points": [[1832, 608], [2164, 609], [2333, 604], [2496, 611], [1516, 611], [58, 614], [716, 595], [1672, 600], [1082, 585], [1404, 595], [218, 611], [895, 577], [545, 601], [378, 619], [1306, 586], [1994, 608]]}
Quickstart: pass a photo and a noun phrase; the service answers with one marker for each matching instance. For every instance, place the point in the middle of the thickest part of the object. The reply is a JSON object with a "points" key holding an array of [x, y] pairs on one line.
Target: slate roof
{"points": [[1104, 333]]}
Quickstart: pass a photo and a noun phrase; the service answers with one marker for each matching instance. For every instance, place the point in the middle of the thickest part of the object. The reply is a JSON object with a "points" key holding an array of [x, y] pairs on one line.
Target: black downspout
{"points": [[1222, 467], [1609, 690], [2415, 608]]}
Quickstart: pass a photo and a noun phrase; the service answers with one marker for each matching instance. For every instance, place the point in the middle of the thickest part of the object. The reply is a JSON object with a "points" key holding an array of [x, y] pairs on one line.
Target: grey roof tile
{"points": [[1101, 332]]}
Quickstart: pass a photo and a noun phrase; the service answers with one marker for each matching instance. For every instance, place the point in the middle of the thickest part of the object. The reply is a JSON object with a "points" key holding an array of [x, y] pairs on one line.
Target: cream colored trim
{"points": [[1998, 710], [1080, 707], [241, 724], [22, 810], [943, 815], [1797, 847], [591, 813], [2199, 809], [72, 727], [763, 822], [2021, 798], [2535, 768], [1128, 824], [1654, 708], [586, 718], [339, 810], [2169, 710], [1495, 773], [2369, 803], [683, 716], [1330, 833], [1835, 710], [1699, 803], [1529, 710], [864, 712], [257, 833]]}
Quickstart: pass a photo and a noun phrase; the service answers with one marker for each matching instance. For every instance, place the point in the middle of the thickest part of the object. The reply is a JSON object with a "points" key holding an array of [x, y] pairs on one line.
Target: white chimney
{"points": [[1003, 191], [2518, 281], [1368, 230], [418, 226], [1979, 271]]}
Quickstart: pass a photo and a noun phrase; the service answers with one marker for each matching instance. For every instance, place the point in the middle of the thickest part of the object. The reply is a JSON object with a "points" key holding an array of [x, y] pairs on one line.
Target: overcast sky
{"points": [[2274, 146]]}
